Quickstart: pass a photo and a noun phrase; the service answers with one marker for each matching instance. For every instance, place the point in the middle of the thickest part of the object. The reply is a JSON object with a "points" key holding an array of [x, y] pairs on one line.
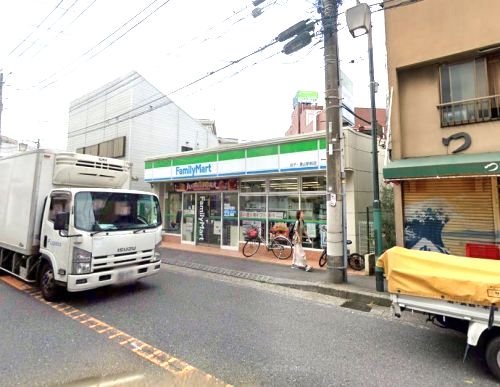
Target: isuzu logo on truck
{"points": [[125, 249]]}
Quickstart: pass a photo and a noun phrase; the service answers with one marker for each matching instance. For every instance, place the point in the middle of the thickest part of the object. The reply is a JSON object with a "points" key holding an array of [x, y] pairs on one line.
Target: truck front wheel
{"points": [[47, 282], [493, 356]]}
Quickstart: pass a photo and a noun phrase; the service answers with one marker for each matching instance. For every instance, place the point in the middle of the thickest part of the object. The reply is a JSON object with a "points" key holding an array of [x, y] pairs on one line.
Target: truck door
{"points": [[55, 246]]}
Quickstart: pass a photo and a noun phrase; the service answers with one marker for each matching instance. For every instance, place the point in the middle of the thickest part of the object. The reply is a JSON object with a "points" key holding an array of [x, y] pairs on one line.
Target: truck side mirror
{"points": [[62, 221]]}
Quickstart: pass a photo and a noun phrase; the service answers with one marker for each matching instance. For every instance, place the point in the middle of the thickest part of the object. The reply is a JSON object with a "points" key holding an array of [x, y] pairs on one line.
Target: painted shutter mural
{"points": [[443, 215]]}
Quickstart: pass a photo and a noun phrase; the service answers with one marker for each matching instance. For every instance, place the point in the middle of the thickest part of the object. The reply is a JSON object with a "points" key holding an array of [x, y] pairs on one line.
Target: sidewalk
{"points": [[358, 288]]}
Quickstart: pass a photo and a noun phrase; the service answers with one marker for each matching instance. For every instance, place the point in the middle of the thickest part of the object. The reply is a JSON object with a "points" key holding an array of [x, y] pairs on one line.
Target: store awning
{"points": [[444, 166]]}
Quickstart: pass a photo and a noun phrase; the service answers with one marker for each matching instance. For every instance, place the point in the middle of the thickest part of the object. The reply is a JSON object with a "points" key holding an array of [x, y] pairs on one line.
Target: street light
{"points": [[359, 23]]}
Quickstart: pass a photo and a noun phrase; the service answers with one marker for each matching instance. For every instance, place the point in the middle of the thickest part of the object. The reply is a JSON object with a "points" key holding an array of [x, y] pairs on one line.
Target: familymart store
{"points": [[212, 197]]}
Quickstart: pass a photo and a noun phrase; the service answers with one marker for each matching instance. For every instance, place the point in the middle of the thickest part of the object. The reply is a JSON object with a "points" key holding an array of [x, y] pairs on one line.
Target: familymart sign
{"points": [[302, 155]]}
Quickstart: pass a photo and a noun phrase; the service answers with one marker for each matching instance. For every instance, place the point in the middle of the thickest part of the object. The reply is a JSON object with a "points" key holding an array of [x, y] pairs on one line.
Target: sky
{"points": [[50, 61]]}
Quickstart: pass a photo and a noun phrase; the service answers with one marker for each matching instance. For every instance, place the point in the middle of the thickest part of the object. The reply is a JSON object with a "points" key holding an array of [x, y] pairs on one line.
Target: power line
{"points": [[117, 118], [105, 39], [131, 28], [36, 28], [49, 27], [65, 27], [203, 35]]}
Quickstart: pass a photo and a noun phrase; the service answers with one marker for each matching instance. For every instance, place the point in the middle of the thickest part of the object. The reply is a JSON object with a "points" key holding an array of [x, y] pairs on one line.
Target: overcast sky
{"points": [[182, 41]]}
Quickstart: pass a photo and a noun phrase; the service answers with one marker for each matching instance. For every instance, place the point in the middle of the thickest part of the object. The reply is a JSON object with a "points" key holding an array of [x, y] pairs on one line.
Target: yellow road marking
{"points": [[176, 367]]}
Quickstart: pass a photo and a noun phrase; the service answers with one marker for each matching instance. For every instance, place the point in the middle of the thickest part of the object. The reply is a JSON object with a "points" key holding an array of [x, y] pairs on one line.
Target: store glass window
{"points": [[188, 218], [284, 185], [253, 186], [230, 236], [252, 214], [173, 212], [313, 183], [282, 211], [314, 208]]}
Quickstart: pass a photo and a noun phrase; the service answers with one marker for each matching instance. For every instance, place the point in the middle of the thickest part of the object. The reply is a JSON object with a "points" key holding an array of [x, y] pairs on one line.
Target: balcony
{"points": [[470, 111]]}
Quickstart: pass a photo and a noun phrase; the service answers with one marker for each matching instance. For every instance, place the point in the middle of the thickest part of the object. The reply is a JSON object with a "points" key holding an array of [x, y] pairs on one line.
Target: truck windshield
{"points": [[111, 211]]}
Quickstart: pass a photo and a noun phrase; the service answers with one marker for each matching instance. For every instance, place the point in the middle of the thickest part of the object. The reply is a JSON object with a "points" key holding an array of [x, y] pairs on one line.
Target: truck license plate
{"points": [[125, 276]]}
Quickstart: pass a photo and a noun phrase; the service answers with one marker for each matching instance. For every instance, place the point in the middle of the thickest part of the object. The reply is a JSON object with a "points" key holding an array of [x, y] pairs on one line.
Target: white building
{"points": [[8, 146], [129, 118]]}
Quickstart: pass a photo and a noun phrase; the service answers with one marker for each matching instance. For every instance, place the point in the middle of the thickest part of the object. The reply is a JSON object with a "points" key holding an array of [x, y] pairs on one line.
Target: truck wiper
{"points": [[97, 231], [138, 230]]}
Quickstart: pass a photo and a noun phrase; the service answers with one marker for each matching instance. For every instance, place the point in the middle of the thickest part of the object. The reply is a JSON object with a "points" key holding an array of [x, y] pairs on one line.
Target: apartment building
{"points": [[444, 69]]}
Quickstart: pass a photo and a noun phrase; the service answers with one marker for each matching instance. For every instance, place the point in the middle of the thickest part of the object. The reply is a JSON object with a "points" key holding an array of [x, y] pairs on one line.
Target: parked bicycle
{"points": [[280, 245], [356, 261]]}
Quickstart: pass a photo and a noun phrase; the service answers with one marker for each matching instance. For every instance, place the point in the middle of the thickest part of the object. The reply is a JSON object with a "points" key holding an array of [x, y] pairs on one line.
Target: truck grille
{"points": [[108, 262]]}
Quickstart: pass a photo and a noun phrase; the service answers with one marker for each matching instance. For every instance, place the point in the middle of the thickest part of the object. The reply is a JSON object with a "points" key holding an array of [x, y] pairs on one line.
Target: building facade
{"points": [[129, 118], [444, 68], [8, 146], [211, 197]]}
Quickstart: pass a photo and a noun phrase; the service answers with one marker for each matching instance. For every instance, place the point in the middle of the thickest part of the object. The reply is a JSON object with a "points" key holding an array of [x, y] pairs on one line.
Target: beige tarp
{"points": [[441, 276]]}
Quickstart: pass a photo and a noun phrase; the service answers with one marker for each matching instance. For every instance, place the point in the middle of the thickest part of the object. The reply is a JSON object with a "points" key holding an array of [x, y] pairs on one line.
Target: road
{"points": [[238, 331]]}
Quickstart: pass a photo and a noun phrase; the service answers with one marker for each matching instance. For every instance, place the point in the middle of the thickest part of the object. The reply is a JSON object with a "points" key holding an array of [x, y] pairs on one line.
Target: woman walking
{"points": [[299, 232]]}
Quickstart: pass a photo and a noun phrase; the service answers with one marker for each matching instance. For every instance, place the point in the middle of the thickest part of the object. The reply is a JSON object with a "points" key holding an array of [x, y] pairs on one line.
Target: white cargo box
{"points": [[27, 178]]}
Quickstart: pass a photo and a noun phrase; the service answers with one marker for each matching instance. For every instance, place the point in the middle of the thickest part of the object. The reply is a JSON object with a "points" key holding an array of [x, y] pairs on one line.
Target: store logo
{"points": [[201, 219], [193, 170]]}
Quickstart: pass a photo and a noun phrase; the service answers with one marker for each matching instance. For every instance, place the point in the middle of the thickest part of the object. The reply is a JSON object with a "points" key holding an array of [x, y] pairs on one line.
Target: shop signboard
{"points": [[264, 159], [204, 185], [301, 155], [288, 156], [232, 162], [202, 218]]}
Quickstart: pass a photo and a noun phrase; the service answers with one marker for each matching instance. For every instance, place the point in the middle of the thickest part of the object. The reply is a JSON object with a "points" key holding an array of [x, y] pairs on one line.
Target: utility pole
{"points": [[377, 213], [335, 245]]}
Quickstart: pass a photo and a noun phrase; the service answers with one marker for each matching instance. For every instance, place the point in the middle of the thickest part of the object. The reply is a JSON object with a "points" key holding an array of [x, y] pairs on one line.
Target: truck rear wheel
{"points": [[47, 282], [493, 356]]}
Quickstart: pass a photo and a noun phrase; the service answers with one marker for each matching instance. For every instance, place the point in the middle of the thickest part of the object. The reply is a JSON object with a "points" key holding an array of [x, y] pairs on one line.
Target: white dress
{"points": [[299, 255]]}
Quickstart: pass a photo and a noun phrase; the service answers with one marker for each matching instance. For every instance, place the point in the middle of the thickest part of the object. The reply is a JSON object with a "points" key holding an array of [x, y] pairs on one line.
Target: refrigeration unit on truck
{"points": [[66, 222]]}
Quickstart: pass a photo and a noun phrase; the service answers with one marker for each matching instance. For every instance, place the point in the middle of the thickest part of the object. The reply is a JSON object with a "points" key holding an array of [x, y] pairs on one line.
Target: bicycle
{"points": [[280, 246], [356, 261]]}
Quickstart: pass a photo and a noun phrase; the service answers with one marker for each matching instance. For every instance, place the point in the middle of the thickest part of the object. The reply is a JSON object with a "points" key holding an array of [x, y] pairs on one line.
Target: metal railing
{"points": [[469, 111]]}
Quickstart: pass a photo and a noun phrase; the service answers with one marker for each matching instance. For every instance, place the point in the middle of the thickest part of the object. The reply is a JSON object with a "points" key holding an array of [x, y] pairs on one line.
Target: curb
{"points": [[345, 292]]}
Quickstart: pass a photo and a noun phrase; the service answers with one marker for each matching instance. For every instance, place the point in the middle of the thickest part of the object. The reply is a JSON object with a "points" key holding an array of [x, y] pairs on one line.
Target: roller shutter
{"points": [[445, 214]]}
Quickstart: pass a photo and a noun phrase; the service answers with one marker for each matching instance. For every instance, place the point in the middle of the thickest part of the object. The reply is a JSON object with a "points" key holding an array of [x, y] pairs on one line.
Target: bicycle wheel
{"points": [[356, 261], [281, 247], [322, 258], [251, 247]]}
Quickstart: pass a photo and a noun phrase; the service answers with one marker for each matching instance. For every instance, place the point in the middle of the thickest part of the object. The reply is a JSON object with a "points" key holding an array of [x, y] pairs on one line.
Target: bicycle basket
{"points": [[252, 233]]}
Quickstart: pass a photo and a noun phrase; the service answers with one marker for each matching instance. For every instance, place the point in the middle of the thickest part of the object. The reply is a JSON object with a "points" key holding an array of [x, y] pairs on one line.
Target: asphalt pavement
{"points": [[242, 332]]}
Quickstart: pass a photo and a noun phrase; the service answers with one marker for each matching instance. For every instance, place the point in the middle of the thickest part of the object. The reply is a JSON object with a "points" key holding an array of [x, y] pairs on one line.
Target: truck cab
{"points": [[67, 221], [95, 237]]}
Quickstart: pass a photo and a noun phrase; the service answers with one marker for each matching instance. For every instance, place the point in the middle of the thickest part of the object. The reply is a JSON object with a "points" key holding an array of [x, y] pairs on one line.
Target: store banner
{"points": [[299, 161], [211, 185], [194, 170], [303, 155]]}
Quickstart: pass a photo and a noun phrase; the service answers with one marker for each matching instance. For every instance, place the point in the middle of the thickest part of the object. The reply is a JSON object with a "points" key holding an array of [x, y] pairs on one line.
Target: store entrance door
{"points": [[209, 220]]}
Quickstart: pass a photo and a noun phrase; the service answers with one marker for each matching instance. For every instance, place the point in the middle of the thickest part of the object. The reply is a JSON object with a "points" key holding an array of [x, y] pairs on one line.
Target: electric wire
{"points": [[82, 56], [35, 29], [49, 27], [116, 119], [61, 32]]}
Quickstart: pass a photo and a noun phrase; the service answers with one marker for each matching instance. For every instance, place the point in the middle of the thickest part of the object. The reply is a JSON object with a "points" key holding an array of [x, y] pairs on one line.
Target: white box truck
{"points": [[66, 222]]}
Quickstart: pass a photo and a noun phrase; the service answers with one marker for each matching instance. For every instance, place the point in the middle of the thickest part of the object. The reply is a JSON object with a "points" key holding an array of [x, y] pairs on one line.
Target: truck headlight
{"points": [[157, 254], [81, 261]]}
